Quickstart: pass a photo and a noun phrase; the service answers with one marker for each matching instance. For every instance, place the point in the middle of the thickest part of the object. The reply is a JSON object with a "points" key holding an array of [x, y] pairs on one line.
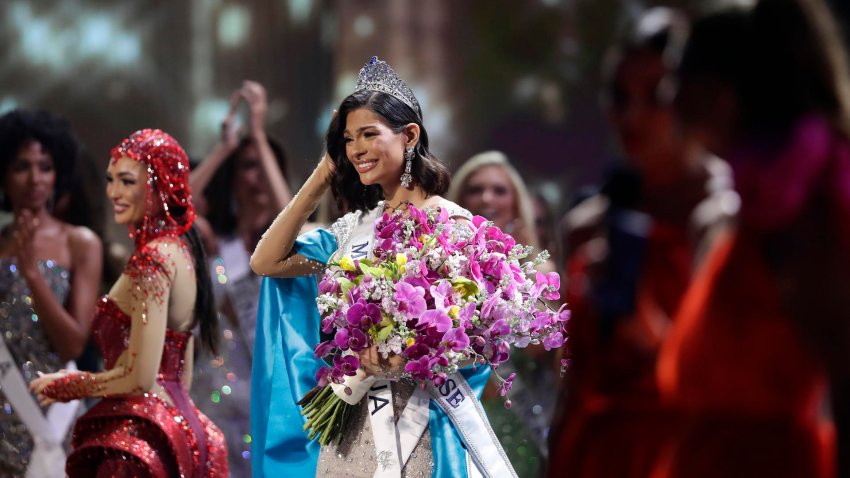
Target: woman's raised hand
{"points": [[229, 131], [255, 95]]}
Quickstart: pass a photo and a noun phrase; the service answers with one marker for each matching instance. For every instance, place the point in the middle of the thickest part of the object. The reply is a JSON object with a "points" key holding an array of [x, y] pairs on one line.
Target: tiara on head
{"points": [[378, 76]]}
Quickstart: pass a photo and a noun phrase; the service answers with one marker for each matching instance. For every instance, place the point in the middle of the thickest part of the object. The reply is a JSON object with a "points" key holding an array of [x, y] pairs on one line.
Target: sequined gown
{"points": [[221, 385], [29, 348], [148, 434]]}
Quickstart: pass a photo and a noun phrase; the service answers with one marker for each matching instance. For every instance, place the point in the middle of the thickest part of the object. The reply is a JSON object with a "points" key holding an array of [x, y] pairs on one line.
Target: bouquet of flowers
{"points": [[438, 292]]}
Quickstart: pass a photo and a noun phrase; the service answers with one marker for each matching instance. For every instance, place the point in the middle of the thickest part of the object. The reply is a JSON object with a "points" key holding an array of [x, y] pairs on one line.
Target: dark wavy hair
{"points": [[350, 194], [20, 126], [205, 315], [219, 193]]}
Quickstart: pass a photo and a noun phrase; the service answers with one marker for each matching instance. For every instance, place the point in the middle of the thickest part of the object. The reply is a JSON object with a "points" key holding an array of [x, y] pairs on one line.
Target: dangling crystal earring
{"points": [[407, 178]]}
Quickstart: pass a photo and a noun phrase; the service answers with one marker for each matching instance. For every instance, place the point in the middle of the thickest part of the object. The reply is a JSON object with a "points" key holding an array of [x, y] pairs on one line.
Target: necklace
{"points": [[402, 206]]}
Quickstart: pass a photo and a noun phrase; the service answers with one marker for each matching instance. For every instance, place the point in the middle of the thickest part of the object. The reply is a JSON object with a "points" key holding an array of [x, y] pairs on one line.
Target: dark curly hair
{"points": [[219, 192], [20, 126], [350, 194]]}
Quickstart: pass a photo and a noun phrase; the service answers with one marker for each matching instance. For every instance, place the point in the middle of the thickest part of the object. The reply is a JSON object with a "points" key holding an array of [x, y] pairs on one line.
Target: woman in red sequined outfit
{"points": [[146, 424]]}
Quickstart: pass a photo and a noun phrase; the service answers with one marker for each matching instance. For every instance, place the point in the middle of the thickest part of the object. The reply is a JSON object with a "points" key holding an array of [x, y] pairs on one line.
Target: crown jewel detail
{"points": [[378, 76]]}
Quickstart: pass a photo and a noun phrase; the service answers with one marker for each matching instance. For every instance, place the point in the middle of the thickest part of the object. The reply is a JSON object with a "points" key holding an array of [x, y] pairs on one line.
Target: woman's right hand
{"points": [[229, 131], [390, 368]]}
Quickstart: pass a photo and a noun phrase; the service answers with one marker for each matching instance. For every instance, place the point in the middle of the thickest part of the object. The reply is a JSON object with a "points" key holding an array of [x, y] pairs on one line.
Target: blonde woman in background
{"points": [[488, 185]]}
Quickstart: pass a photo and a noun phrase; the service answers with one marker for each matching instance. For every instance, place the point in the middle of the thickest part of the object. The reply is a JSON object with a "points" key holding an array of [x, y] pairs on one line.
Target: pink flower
{"points": [[500, 354], [442, 293], [420, 369], [456, 339], [548, 286], [323, 376], [500, 328], [553, 341], [435, 318], [411, 300], [505, 386], [564, 313]]}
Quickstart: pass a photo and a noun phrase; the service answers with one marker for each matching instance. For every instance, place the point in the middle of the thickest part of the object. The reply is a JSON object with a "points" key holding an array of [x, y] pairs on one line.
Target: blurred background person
{"points": [[631, 250], [244, 187], [546, 227], [763, 330], [49, 280], [488, 185]]}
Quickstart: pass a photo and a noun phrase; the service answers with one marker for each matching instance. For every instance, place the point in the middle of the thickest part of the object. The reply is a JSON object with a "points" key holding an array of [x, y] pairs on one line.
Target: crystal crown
{"points": [[378, 76]]}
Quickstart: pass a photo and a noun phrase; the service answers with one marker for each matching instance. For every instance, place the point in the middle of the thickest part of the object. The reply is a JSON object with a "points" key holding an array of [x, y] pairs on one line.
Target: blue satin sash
{"points": [[284, 370], [285, 367]]}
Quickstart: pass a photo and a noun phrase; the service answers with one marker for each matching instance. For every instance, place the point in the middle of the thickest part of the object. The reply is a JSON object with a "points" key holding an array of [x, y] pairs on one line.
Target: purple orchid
{"points": [[363, 314], [437, 319], [548, 286], [323, 349], [411, 300], [456, 339], [420, 369], [553, 341], [505, 386], [347, 364]]}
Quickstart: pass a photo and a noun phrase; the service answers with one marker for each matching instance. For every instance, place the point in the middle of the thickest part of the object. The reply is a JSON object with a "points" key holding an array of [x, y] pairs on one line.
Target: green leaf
{"points": [[373, 271], [384, 333], [344, 286], [465, 287]]}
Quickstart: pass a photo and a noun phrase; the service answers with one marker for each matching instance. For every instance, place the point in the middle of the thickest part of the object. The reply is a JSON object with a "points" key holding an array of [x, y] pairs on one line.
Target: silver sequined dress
{"points": [[30, 349]]}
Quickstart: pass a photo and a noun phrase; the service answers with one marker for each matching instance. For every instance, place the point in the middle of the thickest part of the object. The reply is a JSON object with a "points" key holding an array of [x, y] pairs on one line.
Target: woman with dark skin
{"points": [[762, 331], [50, 269]]}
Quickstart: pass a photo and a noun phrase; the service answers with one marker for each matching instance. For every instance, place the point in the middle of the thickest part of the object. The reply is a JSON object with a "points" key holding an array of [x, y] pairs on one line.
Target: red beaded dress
{"points": [[148, 435], [146, 425]]}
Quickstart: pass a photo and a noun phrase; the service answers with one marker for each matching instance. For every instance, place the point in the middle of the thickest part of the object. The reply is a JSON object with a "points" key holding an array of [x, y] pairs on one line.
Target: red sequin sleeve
{"points": [[71, 387]]}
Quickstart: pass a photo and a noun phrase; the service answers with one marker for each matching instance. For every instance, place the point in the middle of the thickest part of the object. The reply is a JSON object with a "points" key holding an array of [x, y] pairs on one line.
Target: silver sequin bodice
{"points": [[30, 349]]}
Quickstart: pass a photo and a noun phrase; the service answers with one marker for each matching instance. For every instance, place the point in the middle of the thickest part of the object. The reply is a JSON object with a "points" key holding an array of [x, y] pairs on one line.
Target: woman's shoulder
{"points": [[82, 239]]}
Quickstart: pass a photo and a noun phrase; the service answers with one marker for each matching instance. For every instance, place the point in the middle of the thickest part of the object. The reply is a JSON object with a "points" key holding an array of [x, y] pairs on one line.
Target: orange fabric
{"points": [[613, 423], [735, 365]]}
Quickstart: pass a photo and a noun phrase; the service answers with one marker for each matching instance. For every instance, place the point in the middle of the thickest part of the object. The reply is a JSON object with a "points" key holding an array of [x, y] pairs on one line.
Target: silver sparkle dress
{"points": [[30, 349]]}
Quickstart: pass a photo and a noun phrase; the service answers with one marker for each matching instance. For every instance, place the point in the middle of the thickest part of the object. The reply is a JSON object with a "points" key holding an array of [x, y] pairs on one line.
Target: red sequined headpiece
{"points": [[169, 210]]}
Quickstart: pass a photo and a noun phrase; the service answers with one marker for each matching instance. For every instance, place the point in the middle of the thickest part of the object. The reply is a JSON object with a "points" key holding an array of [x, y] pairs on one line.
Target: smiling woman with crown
{"points": [[408, 408]]}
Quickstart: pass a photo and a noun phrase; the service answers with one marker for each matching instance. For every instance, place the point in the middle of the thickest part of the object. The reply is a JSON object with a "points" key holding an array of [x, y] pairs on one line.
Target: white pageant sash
{"points": [[395, 441], [48, 432], [456, 398]]}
